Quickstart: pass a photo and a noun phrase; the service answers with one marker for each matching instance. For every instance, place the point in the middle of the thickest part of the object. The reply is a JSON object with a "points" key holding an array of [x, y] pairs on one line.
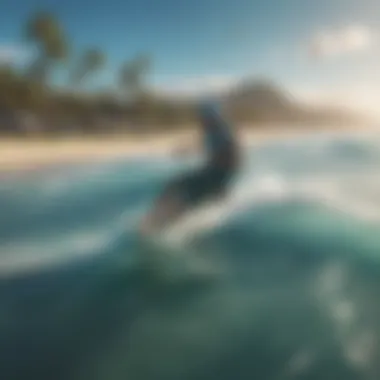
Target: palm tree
{"points": [[47, 35], [133, 75], [90, 62], [7, 73]]}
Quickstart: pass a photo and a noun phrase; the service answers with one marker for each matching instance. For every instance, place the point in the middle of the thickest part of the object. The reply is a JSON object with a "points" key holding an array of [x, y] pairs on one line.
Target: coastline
{"points": [[29, 155], [34, 154]]}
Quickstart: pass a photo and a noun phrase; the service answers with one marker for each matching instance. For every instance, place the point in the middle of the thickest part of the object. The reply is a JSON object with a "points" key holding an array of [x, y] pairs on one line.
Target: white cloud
{"points": [[195, 86], [12, 53], [348, 40]]}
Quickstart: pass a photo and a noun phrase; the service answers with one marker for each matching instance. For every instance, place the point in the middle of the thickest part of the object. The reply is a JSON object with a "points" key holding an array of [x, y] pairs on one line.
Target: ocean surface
{"points": [[280, 281]]}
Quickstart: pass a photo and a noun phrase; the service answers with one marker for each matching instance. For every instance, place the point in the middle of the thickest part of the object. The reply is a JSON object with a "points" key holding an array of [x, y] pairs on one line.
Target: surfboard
{"points": [[193, 224]]}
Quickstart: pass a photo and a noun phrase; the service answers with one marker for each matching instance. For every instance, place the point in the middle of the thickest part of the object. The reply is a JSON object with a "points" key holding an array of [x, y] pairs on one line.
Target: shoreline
{"points": [[30, 155]]}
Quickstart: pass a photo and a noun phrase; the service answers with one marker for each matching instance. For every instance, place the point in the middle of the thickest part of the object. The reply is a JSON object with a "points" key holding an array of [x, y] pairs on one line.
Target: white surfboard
{"points": [[198, 221]]}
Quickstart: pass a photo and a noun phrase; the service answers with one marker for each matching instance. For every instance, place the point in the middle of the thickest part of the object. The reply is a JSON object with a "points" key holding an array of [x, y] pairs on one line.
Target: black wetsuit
{"points": [[211, 180]]}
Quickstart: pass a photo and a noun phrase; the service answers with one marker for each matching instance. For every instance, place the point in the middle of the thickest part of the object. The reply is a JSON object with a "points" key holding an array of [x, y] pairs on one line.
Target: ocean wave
{"points": [[32, 254], [79, 213]]}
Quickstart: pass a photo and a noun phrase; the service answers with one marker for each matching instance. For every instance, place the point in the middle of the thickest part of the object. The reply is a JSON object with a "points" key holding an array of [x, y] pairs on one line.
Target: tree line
{"points": [[31, 102]]}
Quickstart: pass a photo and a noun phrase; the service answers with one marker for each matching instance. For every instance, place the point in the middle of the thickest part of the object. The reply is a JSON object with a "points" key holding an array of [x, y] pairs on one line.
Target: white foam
{"points": [[29, 255], [356, 340], [34, 254]]}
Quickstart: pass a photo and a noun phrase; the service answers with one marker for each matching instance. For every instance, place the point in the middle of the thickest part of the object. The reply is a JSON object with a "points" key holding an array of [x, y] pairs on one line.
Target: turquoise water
{"points": [[282, 282]]}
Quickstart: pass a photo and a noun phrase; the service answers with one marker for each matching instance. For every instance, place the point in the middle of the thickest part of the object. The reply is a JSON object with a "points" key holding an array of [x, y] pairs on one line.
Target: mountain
{"points": [[263, 101]]}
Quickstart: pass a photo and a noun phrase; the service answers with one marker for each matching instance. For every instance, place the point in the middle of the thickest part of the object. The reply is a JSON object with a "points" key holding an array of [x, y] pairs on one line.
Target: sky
{"points": [[321, 51]]}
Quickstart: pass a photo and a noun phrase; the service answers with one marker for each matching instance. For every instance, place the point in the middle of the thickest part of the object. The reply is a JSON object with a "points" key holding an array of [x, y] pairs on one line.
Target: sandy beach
{"points": [[24, 155]]}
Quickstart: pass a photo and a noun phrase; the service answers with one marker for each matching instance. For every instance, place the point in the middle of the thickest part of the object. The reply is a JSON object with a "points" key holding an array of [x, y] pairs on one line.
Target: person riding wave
{"points": [[209, 182]]}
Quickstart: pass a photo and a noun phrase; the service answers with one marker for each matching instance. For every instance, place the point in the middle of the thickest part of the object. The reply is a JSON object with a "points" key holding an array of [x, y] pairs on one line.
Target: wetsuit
{"points": [[222, 160], [207, 183]]}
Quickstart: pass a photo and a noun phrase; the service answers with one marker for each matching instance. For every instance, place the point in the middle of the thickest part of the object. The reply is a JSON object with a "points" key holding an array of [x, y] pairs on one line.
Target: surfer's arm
{"points": [[186, 149]]}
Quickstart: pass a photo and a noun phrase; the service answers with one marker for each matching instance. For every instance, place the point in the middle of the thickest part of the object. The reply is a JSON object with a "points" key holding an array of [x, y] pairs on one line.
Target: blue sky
{"points": [[200, 43]]}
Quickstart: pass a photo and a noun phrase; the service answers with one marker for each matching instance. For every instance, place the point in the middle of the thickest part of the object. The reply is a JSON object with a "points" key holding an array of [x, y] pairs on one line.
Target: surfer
{"points": [[206, 183]]}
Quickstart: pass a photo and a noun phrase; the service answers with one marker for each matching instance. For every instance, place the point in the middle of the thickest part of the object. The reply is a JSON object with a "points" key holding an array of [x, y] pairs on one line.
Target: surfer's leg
{"points": [[171, 204], [217, 182], [164, 211], [185, 193]]}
